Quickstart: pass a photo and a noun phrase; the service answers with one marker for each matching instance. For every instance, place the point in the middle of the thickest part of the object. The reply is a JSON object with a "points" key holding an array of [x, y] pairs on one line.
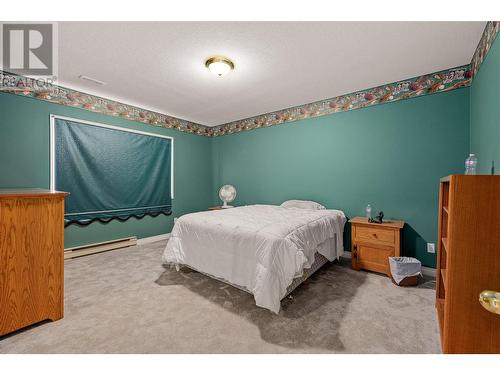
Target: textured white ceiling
{"points": [[160, 65]]}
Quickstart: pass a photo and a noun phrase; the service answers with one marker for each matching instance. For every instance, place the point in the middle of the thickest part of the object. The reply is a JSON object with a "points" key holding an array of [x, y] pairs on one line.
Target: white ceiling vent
{"points": [[93, 80]]}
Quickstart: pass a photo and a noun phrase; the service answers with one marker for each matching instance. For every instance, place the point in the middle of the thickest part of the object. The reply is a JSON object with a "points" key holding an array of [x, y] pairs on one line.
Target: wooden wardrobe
{"points": [[468, 263], [31, 257]]}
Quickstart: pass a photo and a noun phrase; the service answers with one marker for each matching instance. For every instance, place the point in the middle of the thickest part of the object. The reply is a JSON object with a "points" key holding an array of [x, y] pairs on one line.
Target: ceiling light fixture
{"points": [[219, 65]]}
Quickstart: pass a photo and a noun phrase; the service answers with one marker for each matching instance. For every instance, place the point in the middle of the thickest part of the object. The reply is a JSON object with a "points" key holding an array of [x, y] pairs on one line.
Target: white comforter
{"points": [[261, 247]]}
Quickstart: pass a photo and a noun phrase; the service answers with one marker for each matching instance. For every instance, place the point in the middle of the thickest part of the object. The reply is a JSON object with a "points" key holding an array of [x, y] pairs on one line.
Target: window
{"points": [[110, 172]]}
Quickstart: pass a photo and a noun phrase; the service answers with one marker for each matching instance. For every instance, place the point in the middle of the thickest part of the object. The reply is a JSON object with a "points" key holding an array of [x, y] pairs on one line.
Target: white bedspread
{"points": [[260, 247]]}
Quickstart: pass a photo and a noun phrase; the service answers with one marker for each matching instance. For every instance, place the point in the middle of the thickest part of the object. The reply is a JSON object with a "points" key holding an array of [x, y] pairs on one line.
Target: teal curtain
{"points": [[111, 174]]}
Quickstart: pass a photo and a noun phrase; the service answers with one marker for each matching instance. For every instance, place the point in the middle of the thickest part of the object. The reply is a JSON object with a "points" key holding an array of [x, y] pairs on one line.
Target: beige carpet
{"points": [[125, 301]]}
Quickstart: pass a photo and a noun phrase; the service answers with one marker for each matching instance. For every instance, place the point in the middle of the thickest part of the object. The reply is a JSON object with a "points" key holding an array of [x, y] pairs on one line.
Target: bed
{"points": [[263, 249]]}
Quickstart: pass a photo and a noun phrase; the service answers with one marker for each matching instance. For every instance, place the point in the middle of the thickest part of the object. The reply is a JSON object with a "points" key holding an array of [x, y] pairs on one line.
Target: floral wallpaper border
{"points": [[445, 80], [442, 81], [489, 34], [42, 90]]}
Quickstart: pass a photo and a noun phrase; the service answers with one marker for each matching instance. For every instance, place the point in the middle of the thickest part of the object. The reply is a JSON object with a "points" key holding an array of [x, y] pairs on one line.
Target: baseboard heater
{"points": [[78, 251]]}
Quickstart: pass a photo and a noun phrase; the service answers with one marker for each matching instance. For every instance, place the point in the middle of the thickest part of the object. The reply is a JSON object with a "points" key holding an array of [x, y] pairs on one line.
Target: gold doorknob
{"points": [[490, 300]]}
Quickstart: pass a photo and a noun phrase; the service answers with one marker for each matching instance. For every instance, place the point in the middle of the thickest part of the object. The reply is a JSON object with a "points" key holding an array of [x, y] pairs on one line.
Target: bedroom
{"points": [[241, 187]]}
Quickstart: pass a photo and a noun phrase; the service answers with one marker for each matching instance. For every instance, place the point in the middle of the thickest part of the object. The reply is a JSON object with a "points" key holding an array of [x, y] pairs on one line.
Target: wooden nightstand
{"points": [[218, 208], [372, 244]]}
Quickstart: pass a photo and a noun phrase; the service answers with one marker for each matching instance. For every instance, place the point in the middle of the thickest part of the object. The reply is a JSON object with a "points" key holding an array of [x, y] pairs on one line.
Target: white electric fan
{"points": [[227, 194]]}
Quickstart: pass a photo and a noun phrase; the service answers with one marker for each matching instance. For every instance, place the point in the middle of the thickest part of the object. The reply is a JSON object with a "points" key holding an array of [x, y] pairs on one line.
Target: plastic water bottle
{"points": [[470, 164], [368, 211]]}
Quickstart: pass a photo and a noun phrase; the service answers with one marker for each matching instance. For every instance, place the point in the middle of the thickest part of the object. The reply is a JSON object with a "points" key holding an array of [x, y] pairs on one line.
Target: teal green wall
{"points": [[485, 112], [390, 156], [24, 162]]}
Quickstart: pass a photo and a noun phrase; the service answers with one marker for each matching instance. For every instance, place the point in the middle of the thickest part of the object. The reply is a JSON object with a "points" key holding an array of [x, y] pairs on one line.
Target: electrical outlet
{"points": [[431, 248]]}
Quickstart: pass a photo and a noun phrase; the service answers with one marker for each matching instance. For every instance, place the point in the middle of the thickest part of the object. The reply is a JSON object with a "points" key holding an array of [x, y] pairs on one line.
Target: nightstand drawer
{"points": [[376, 235]]}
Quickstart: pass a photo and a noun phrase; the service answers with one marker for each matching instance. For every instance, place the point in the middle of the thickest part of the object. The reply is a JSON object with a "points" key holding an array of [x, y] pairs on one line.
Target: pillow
{"points": [[308, 205]]}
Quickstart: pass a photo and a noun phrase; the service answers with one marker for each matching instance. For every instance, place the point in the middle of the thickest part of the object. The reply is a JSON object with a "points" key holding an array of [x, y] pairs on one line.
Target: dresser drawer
{"points": [[376, 235]]}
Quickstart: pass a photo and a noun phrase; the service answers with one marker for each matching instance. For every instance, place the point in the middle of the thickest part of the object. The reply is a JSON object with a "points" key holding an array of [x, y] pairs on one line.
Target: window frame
{"points": [[52, 145]]}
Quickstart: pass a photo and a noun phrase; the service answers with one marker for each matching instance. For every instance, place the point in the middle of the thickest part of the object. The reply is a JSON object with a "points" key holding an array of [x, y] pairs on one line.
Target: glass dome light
{"points": [[219, 65]]}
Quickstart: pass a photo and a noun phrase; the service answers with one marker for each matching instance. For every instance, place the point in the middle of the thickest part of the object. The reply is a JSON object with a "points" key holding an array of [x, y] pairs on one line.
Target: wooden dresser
{"points": [[468, 263], [373, 244], [31, 257]]}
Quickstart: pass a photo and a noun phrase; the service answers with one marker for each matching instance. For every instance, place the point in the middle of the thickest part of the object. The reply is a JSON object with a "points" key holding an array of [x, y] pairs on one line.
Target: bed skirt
{"points": [[319, 261]]}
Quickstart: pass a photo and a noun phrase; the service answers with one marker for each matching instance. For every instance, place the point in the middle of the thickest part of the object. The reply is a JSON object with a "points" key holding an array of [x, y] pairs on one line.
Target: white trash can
{"points": [[405, 271]]}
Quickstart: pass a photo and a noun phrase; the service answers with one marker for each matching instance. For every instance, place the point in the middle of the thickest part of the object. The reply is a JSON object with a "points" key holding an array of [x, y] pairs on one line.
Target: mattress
{"points": [[260, 248]]}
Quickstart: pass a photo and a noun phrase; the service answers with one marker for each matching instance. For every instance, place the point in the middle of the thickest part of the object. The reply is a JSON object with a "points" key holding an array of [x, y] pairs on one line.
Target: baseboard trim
{"points": [[94, 248], [426, 271], [347, 254], [146, 240]]}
